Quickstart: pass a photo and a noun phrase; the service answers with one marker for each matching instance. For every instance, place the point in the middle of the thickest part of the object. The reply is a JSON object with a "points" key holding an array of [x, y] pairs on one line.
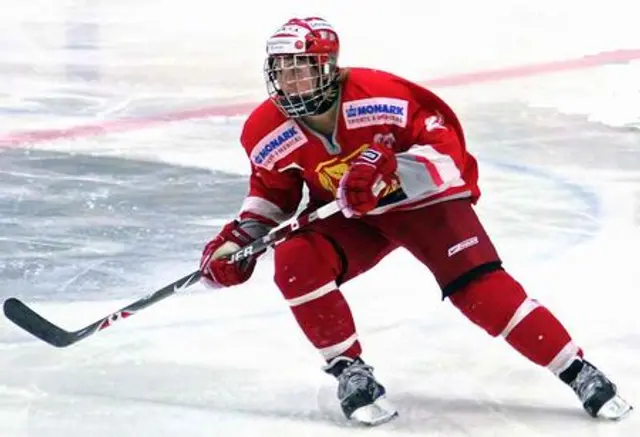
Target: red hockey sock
{"points": [[306, 270], [499, 304]]}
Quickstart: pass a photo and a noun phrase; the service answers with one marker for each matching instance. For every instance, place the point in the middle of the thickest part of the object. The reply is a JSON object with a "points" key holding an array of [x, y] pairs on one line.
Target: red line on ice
{"points": [[123, 125]]}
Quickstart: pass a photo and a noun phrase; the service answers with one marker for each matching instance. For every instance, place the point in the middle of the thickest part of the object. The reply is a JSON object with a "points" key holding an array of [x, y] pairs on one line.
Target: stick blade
{"points": [[32, 322]]}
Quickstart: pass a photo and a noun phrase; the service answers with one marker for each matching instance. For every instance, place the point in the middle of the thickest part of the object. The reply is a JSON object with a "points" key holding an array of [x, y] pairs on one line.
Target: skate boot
{"points": [[362, 398], [598, 395]]}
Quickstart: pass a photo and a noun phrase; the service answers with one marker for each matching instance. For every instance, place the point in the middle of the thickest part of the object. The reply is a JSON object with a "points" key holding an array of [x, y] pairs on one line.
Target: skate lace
{"points": [[587, 382], [355, 377]]}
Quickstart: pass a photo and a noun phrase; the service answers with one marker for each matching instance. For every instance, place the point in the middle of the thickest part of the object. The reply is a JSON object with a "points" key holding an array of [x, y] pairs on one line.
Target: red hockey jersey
{"points": [[374, 106]]}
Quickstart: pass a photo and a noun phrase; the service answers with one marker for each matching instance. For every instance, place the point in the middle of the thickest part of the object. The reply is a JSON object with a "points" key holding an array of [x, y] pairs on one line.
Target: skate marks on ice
{"points": [[74, 225], [156, 399]]}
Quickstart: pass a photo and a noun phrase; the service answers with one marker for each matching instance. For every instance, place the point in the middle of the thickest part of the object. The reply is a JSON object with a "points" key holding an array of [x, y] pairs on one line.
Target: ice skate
{"points": [[362, 398], [598, 395]]}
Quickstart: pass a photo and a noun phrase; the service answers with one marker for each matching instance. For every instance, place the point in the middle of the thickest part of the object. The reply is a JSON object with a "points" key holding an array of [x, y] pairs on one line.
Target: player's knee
{"points": [[304, 263], [494, 301]]}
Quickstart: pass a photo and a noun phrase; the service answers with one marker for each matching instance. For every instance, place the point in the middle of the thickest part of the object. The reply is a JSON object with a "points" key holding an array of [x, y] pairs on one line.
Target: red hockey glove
{"points": [[219, 271], [363, 184]]}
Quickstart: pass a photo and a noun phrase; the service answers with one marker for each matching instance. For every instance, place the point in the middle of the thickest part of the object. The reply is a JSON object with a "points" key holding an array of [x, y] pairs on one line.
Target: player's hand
{"points": [[215, 268], [364, 183]]}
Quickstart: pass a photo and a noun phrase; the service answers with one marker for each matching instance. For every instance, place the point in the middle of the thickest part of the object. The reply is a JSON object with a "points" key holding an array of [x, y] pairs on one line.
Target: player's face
{"points": [[295, 75]]}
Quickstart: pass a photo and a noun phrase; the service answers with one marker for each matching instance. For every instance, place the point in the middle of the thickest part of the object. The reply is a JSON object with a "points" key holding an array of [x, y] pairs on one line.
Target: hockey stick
{"points": [[35, 324]]}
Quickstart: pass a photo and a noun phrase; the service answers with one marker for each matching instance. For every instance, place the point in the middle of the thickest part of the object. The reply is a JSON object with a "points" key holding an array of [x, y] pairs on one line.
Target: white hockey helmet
{"points": [[301, 69]]}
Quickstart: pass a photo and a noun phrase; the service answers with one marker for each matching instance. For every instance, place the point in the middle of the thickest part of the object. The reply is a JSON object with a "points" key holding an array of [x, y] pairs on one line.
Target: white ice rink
{"points": [[96, 212]]}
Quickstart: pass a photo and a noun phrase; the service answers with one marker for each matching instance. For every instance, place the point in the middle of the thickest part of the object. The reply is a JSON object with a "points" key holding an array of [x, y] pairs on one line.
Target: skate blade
{"points": [[615, 408], [379, 412]]}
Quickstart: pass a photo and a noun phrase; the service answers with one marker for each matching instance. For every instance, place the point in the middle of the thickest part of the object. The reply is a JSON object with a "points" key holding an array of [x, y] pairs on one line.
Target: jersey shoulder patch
{"points": [[268, 136], [277, 144]]}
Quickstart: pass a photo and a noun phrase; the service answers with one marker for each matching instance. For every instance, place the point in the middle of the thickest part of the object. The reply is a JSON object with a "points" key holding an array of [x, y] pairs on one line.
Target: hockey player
{"points": [[394, 156]]}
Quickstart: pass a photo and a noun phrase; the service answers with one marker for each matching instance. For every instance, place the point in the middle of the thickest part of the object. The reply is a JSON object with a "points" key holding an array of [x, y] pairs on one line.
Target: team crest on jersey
{"points": [[277, 144], [330, 172], [375, 111]]}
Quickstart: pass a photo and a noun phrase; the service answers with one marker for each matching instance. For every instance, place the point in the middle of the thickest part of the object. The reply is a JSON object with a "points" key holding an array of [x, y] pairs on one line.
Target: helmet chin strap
{"points": [[330, 100]]}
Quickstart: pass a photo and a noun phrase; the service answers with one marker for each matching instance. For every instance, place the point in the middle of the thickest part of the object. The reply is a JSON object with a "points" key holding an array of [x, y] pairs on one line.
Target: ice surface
{"points": [[92, 222]]}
